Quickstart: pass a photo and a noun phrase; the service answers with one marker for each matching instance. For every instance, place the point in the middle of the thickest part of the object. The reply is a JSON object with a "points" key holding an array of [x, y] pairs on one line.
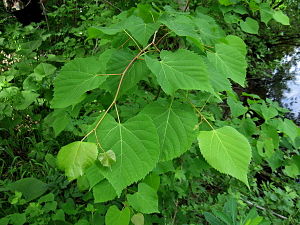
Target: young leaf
{"points": [[175, 124], [145, 200], [182, 69], [226, 150], [116, 217], [136, 146], [75, 78], [138, 219], [107, 158], [75, 157], [250, 26], [229, 60], [117, 64]]}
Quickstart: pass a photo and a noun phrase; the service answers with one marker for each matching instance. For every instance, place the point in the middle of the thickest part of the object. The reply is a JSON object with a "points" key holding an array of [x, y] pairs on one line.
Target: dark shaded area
{"points": [[31, 13]]}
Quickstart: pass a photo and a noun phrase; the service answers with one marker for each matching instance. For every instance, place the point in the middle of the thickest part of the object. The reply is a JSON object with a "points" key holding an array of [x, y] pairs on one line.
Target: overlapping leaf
{"points": [[227, 151], [175, 124], [75, 78], [182, 69], [75, 157], [230, 60], [145, 200], [117, 63], [136, 146]]}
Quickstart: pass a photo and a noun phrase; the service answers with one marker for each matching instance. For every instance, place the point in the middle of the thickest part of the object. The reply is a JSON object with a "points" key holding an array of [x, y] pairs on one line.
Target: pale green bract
{"points": [[175, 125], [226, 150], [182, 69], [76, 78], [136, 146], [75, 157]]}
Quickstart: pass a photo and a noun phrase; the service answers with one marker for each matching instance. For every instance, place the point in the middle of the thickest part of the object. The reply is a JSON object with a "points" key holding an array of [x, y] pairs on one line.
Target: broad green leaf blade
{"points": [[237, 43], [103, 192], [217, 79], [182, 69], [266, 12], [229, 60], [76, 78], [28, 98], [250, 26], [74, 158], [94, 175], [208, 29], [44, 69], [280, 17], [145, 200], [181, 25], [236, 107], [226, 150], [31, 188], [58, 120], [291, 129], [136, 146], [175, 125], [117, 63], [116, 217], [140, 30]]}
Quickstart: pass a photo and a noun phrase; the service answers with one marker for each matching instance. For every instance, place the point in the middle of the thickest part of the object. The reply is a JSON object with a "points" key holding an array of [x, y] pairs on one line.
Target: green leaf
{"points": [[153, 180], [280, 17], [175, 125], [145, 200], [58, 120], [28, 98], [103, 192], [236, 107], [230, 61], [117, 63], [76, 78], [17, 218], [266, 12], [116, 217], [93, 174], [293, 167], [44, 69], [31, 188], [250, 26], [226, 150], [182, 69], [136, 146], [181, 25], [75, 157], [208, 29], [140, 30], [138, 219], [291, 129]]}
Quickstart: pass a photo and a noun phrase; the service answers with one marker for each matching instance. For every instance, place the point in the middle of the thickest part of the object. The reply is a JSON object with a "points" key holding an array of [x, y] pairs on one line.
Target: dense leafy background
{"points": [[180, 124]]}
